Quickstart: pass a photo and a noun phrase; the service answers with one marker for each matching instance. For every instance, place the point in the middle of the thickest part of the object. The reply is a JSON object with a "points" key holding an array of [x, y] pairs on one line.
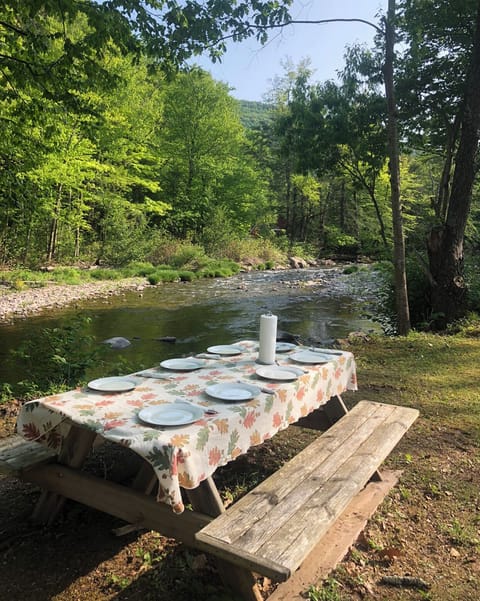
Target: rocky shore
{"points": [[15, 305]]}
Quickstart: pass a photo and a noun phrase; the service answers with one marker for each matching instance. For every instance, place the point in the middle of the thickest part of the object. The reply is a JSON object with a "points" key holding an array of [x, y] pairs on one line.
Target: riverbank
{"points": [[14, 305]]}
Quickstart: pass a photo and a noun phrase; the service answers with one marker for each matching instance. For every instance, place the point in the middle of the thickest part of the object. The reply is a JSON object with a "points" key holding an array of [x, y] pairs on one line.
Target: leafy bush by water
{"points": [[163, 275], [57, 358], [106, 274]]}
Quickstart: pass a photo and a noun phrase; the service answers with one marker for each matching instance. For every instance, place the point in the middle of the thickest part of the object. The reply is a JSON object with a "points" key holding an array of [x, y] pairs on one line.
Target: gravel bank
{"points": [[34, 300]]}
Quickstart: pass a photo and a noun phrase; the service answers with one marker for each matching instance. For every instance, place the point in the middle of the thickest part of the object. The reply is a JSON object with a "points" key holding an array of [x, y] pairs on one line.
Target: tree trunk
{"points": [[378, 213], [401, 295], [52, 238], [443, 196], [445, 243], [342, 206]]}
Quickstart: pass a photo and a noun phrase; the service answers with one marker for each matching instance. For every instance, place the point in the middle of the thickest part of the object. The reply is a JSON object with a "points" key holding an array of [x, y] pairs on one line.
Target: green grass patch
{"points": [[163, 275]]}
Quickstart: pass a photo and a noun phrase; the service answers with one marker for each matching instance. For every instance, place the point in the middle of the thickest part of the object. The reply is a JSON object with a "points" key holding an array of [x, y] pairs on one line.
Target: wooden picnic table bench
{"points": [[273, 528], [18, 455]]}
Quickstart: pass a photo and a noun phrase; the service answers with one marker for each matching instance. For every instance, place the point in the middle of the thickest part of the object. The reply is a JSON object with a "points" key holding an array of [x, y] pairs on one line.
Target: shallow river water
{"points": [[317, 305]]}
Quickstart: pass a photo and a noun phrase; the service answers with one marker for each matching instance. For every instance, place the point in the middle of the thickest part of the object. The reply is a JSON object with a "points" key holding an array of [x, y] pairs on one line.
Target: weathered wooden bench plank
{"points": [[274, 527], [18, 454], [318, 461]]}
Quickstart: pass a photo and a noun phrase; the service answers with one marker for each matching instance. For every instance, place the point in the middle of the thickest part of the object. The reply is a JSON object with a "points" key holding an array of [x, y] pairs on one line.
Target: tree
{"points": [[42, 45], [446, 52], [204, 148], [387, 39], [446, 242], [401, 293]]}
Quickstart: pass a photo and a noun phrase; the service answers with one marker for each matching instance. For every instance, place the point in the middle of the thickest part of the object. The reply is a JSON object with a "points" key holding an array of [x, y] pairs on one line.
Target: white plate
{"points": [[182, 364], [326, 351], [284, 347], [310, 357], [113, 384], [279, 372], [225, 349], [233, 391], [171, 414]]}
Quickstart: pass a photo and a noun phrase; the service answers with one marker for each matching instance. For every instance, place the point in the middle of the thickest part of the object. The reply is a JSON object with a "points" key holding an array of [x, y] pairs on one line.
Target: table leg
{"points": [[325, 416], [75, 449], [335, 409], [206, 498], [145, 480]]}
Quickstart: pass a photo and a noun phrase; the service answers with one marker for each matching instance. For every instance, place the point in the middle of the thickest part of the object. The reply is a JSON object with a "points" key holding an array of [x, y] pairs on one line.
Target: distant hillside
{"points": [[253, 113]]}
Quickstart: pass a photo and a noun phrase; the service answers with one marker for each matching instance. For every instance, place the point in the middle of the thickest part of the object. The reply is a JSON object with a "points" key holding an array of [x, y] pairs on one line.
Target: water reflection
{"points": [[315, 304]]}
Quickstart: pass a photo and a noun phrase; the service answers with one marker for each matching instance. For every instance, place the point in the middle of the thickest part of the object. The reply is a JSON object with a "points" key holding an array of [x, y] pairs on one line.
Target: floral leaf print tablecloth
{"points": [[183, 456]]}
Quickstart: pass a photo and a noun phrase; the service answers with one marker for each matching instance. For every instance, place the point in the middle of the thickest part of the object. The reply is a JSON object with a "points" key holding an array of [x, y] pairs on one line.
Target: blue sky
{"points": [[248, 68]]}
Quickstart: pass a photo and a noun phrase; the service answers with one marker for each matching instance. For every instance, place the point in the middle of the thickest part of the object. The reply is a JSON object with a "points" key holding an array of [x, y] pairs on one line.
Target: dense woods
{"points": [[111, 145]]}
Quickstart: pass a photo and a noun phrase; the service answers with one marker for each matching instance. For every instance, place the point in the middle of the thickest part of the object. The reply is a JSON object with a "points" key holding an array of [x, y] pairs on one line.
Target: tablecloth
{"points": [[183, 456]]}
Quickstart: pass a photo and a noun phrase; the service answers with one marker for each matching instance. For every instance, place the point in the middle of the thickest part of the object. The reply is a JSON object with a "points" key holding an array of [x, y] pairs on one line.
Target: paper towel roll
{"points": [[268, 339]]}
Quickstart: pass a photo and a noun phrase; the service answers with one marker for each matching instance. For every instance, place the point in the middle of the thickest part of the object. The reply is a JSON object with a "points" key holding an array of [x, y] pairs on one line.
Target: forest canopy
{"points": [[112, 143]]}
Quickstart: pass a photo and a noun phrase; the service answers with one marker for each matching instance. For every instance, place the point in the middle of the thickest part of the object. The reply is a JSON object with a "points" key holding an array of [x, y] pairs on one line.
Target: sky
{"points": [[249, 69]]}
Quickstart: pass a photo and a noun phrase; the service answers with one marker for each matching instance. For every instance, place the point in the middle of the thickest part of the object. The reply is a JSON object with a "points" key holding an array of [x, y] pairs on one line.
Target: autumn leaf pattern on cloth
{"points": [[183, 456]]}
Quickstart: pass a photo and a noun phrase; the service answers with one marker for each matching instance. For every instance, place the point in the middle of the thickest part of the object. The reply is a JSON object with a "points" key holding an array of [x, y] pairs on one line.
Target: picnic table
{"points": [[180, 460]]}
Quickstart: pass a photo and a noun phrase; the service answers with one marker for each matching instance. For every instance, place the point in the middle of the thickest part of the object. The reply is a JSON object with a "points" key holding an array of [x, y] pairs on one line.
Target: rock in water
{"points": [[117, 342]]}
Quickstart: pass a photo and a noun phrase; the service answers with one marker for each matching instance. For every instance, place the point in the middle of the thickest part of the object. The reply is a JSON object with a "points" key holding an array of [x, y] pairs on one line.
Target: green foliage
{"points": [[246, 250], [138, 269], [125, 236], [219, 269], [191, 256], [65, 275], [338, 241], [57, 358], [106, 274], [163, 275], [255, 114], [421, 314], [327, 591], [186, 276], [472, 277]]}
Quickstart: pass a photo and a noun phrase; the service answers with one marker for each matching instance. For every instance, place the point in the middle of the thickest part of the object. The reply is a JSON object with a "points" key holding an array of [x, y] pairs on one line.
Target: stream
{"points": [[317, 305]]}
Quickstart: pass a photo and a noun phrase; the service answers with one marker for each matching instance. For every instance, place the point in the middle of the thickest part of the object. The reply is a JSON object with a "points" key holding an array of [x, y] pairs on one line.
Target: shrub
{"points": [[190, 256], [241, 250], [163, 275], [186, 276], [138, 269], [105, 274], [339, 241], [66, 275], [57, 357]]}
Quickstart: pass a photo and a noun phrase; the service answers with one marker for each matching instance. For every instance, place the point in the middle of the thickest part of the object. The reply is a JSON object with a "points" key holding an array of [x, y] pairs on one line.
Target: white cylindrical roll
{"points": [[268, 339]]}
